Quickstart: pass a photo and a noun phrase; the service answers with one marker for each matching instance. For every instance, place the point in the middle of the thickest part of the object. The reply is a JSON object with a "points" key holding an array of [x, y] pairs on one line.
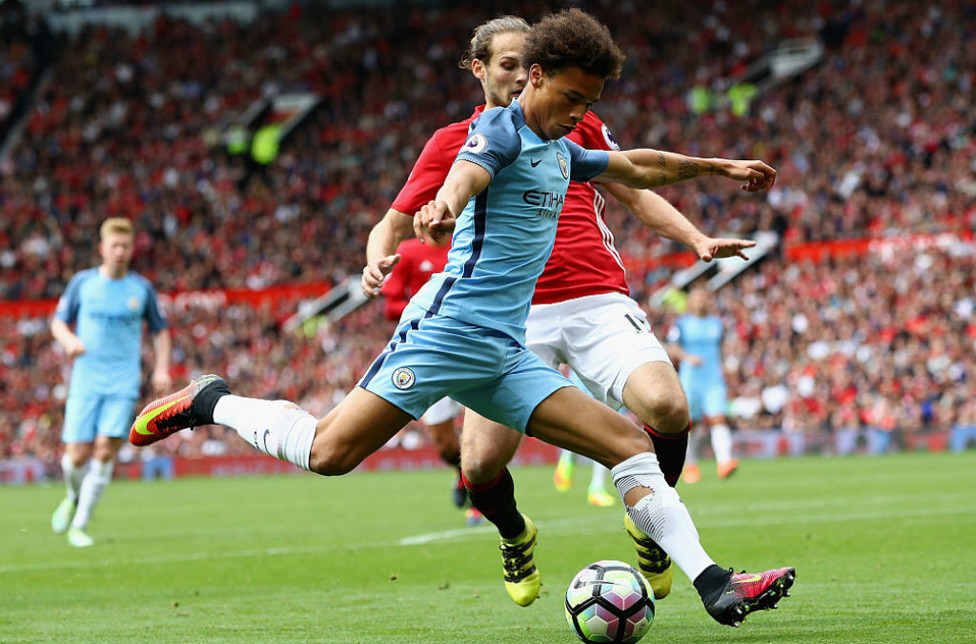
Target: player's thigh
{"points": [[115, 416], [359, 425], [486, 447], [607, 341], [81, 419], [654, 393], [575, 421]]}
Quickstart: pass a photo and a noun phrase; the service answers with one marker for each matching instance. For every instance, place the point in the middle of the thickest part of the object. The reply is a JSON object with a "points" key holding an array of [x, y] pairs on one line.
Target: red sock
{"points": [[496, 500]]}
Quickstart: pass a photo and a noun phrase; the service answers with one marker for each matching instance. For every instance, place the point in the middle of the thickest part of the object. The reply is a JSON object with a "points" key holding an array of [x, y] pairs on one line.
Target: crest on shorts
{"points": [[563, 166], [403, 378], [476, 144]]}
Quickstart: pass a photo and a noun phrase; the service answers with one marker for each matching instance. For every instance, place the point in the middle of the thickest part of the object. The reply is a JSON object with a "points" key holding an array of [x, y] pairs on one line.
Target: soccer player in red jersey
{"points": [[418, 261], [581, 314]]}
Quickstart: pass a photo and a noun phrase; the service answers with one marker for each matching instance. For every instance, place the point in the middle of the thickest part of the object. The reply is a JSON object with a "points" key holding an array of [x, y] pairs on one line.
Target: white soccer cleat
{"points": [[63, 515], [79, 538]]}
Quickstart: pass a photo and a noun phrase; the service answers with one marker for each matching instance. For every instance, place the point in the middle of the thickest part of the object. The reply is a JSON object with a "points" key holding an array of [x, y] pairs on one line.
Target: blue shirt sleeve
{"points": [[585, 164], [155, 318], [68, 305], [493, 141]]}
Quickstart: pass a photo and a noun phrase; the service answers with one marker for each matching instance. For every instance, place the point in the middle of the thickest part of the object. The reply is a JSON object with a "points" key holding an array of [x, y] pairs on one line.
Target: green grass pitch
{"points": [[884, 551]]}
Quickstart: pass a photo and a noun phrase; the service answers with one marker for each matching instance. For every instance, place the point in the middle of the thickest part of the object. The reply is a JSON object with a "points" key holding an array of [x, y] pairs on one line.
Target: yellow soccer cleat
{"points": [[563, 478], [653, 562], [600, 498], [522, 580]]}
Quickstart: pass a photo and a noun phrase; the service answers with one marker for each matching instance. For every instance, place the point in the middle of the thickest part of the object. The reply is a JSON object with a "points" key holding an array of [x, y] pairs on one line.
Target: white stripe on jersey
{"points": [[599, 203]]}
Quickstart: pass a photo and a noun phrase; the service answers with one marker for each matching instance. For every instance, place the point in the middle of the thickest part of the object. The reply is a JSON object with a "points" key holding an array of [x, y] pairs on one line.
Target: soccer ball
{"points": [[609, 601]]}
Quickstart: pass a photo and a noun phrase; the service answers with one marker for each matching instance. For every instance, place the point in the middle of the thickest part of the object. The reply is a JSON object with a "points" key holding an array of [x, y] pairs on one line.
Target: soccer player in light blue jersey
{"points": [[463, 334], [696, 339], [106, 307]]}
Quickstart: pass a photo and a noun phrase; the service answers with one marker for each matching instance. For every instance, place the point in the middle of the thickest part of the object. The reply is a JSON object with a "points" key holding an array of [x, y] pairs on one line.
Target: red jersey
{"points": [[417, 263], [583, 260]]}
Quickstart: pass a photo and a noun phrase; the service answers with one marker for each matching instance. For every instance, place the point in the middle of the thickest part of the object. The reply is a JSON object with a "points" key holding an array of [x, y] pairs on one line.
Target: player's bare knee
{"points": [[331, 460], [666, 414]]}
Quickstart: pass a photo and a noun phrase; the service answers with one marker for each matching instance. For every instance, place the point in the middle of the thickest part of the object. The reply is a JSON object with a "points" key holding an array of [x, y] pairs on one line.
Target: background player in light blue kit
{"points": [[107, 306], [463, 334], [697, 342]]}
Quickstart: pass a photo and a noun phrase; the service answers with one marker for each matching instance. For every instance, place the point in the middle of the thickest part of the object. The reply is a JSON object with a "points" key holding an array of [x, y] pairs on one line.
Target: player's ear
{"points": [[478, 69], [536, 75]]}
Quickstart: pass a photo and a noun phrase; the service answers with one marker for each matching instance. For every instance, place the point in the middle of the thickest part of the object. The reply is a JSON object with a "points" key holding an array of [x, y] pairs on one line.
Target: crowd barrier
{"points": [[760, 444]]}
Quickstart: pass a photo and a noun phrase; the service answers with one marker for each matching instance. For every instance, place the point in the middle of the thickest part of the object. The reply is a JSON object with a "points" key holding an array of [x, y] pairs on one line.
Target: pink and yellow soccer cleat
{"points": [[745, 593], [191, 406]]}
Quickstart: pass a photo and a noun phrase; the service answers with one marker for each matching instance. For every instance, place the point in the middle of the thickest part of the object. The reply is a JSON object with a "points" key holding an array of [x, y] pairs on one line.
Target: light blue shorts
{"points": [[86, 416], [708, 400], [432, 356]]}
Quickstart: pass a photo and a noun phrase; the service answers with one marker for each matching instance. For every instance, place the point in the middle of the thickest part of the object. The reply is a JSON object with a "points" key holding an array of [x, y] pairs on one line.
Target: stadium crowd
{"points": [[872, 142]]}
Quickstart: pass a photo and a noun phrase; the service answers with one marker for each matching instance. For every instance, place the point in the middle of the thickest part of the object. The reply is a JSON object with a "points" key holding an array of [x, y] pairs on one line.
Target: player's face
{"points": [[116, 250], [698, 302], [562, 99], [503, 76]]}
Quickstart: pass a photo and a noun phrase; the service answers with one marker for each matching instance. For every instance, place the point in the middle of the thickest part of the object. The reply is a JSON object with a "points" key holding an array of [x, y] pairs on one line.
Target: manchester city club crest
{"points": [[403, 378], [563, 166]]}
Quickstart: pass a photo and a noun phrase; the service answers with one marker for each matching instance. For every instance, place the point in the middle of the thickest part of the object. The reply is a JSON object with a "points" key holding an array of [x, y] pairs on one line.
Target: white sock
{"points": [[661, 515], [722, 442], [691, 454], [276, 427], [73, 476], [98, 477], [598, 477]]}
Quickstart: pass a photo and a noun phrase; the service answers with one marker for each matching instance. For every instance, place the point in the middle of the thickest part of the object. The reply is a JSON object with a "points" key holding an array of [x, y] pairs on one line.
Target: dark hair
{"points": [[484, 34], [573, 38]]}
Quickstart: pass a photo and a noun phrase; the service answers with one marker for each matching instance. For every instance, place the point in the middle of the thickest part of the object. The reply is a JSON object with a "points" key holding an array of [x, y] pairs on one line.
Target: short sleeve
{"points": [[586, 164], [493, 142], [155, 317], [68, 304]]}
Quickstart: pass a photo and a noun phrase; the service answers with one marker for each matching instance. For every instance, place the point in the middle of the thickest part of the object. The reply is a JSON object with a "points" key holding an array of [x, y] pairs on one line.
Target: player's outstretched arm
{"points": [[647, 168], [381, 255], [657, 213], [434, 223]]}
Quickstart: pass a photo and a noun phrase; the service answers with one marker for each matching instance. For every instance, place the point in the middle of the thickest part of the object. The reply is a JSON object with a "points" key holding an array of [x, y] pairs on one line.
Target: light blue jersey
{"points": [[107, 315], [504, 236], [463, 334], [704, 383]]}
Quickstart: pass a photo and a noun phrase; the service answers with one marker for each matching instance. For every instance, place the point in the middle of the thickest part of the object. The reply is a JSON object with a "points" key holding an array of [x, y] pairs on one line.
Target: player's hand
{"points": [[434, 223], [710, 248], [74, 347], [161, 380], [692, 359], [375, 272], [754, 175]]}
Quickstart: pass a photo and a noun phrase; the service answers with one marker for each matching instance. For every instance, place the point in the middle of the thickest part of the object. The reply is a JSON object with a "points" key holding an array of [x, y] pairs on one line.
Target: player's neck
{"points": [[528, 112], [113, 273]]}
